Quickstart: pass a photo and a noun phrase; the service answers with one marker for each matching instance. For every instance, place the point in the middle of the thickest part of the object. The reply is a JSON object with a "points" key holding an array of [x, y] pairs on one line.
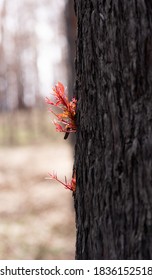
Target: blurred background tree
{"points": [[36, 51], [71, 38], [34, 55], [71, 50]]}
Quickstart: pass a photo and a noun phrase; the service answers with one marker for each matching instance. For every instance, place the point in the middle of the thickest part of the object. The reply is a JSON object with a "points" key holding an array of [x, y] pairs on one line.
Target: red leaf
{"points": [[67, 117]]}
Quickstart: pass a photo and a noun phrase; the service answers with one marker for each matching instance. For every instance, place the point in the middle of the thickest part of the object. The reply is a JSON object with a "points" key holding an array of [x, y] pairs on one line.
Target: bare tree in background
{"points": [[2, 58], [19, 43], [32, 59], [71, 38], [113, 158]]}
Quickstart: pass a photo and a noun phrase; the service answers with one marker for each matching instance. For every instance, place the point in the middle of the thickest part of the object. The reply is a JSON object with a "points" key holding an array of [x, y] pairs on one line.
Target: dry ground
{"points": [[36, 215]]}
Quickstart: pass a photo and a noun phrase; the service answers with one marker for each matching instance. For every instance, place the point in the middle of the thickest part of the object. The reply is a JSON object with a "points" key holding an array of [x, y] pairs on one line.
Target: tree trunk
{"points": [[113, 155], [71, 34], [70, 20]]}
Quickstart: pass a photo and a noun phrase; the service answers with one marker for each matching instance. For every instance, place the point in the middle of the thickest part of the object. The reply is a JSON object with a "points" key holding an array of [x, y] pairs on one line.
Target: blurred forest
{"points": [[34, 55]]}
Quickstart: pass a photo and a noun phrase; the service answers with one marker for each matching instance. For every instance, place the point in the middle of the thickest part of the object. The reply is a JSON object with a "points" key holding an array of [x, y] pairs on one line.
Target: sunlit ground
{"points": [[36, 215]]}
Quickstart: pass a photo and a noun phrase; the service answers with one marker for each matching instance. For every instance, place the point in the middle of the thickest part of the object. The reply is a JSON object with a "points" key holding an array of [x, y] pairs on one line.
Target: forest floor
{"points": [[36, 215]]}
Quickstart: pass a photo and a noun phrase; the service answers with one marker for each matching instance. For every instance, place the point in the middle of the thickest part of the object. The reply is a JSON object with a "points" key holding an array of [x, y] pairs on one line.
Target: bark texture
{"points": [[113, 155]]}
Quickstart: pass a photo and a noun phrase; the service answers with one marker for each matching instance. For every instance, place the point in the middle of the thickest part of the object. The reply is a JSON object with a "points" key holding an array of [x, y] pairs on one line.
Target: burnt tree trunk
{"points": [[113, 155]]}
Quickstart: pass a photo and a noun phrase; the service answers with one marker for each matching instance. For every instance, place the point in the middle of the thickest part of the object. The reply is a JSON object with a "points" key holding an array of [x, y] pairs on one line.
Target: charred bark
{"points": [[113, 156]]}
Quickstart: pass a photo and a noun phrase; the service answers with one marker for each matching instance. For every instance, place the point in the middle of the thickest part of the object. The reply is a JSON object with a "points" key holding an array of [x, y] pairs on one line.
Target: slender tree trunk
{"points": [[71, 35], [113, 156], [70, 20], [3, 66]]}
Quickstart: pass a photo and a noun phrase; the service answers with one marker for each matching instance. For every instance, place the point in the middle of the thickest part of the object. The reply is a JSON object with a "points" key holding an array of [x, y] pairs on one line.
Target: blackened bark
{"points": [[113, 156]]}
